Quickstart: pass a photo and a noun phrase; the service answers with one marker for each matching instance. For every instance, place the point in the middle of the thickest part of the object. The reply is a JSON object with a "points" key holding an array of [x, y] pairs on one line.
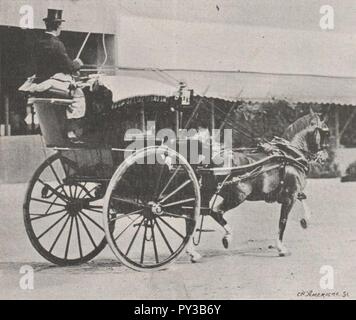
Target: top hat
{"points": [[54, 15]]}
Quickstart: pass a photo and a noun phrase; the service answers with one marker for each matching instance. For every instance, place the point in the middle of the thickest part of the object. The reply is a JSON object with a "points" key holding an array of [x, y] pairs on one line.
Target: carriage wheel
{"points": [[152, 208], [63, 221]]}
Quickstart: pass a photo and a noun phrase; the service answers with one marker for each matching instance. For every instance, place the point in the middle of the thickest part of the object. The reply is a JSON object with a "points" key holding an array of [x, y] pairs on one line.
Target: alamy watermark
{"points": [[327, 20], [327, 279], [26, 17], [27, 279], [200, 146]]}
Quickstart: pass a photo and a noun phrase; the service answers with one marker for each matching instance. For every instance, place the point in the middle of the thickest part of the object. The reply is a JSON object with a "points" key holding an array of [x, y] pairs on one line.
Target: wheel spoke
{"points": [[91, 190], [169, 181], [123, 231], [94, 222], [40, 216], [134, 237], [170, 227], [82, 189], [52, 226], [154, 242], [50, 207], [177, 202], [87, 231], [124, 215], [164, 237], [143, 244], [56, 176], [78, 236], [70, 191], [59, 234], [169, 214], [64, 190], [129, 201], [158, 181], [175, 191], [69, 237], [48, 202], [97, 211], [93, 208], [75, 191]]}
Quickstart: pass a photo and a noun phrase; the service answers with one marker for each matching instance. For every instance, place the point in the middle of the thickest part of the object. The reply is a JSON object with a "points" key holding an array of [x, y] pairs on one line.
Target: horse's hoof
{"points": [[194, 255], [284, 254], [195, 258], [226, 240], [225, 243], [303, 223]]}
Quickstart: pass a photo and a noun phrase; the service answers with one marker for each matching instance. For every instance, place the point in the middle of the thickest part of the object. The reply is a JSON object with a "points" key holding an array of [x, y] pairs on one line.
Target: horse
{"points": [[304, 140]]}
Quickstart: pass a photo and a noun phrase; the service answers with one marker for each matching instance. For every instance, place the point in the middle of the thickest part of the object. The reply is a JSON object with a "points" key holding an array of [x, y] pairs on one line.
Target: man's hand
{"points": [[80, 62]]}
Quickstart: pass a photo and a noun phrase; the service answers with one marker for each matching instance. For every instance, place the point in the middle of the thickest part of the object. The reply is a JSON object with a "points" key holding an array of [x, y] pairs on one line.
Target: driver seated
{"points": [[54, 70], [50, 54]]}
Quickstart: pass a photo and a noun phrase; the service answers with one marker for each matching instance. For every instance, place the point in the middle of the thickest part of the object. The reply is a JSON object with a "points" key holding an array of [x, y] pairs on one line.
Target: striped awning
{"points": [[132, 89], [248, 86]]}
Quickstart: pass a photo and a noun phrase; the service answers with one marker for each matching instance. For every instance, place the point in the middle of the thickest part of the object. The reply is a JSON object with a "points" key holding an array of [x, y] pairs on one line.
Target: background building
{"points": [[16, 45], [257, 51]]}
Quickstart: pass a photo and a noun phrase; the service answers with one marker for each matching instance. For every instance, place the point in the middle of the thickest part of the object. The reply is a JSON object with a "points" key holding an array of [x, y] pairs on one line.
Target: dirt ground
{"points": [[250, 269]]}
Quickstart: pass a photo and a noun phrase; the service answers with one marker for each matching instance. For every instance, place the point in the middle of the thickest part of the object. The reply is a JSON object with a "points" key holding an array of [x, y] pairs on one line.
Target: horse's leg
{"points": [[306, 213], [219, 218], [194, 255], [217, 213], [286, 207]]}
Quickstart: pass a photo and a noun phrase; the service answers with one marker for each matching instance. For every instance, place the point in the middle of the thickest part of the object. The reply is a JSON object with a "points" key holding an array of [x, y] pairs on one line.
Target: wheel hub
{"points": [[74, 208], [156, 208]]}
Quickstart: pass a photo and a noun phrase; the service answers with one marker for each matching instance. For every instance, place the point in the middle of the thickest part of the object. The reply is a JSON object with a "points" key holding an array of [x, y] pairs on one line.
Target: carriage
{"points": [[147, 203]]}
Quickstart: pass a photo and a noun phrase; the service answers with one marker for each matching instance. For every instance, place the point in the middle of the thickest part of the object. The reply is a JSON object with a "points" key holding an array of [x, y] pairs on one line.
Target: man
{"points": [[54, 70], [50, 53]]}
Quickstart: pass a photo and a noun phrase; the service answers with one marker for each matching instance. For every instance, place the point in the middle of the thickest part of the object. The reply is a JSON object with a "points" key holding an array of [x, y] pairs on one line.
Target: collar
{"points": [[51, 33]]}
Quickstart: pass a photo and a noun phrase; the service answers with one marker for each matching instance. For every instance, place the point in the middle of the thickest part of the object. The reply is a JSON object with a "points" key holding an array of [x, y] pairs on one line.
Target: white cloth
{"points": [[78, 107], [60, 82]]}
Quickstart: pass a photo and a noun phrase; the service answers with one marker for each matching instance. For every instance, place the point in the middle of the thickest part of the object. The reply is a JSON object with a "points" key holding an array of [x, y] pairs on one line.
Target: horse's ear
{"points": [[311, 111]]}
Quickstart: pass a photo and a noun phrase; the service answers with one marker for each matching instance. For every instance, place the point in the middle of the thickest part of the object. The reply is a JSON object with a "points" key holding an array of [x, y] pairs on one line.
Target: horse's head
{"points": [[309, 133], [317, 137]]}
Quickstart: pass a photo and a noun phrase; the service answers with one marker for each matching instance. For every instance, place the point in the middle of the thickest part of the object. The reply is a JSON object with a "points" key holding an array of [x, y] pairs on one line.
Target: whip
{"points": [[83, 45]]}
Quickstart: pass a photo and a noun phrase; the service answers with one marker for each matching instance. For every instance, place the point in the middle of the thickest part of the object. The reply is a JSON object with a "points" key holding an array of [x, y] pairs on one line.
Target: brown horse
{"points": [[276, 181]]}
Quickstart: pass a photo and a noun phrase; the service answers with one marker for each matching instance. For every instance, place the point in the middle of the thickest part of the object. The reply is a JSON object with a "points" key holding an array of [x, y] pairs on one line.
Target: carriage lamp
{"points": [[184, 94]]}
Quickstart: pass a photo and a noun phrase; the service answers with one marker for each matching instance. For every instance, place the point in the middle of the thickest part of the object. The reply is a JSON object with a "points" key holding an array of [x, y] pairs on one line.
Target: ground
{"points": [[249, 269]]}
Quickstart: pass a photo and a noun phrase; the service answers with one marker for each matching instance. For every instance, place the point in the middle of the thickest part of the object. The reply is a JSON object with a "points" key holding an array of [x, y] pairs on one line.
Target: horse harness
{"points": [[278, 150]]}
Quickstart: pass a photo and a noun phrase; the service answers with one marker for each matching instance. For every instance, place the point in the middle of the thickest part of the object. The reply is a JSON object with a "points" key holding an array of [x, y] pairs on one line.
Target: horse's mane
{"points": [[298, 126]]}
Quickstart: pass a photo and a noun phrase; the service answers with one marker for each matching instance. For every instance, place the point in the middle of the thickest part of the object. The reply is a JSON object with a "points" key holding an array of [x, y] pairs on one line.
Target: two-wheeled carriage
{"points": [[148, 202]]}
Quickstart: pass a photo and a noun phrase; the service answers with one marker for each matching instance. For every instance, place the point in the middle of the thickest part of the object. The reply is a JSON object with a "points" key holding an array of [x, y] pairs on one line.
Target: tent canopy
{"points": [[255, 87]]}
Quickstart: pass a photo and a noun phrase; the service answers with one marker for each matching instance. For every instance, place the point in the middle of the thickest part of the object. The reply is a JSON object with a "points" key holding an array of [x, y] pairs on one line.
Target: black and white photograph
{"points": [[177, 150]]}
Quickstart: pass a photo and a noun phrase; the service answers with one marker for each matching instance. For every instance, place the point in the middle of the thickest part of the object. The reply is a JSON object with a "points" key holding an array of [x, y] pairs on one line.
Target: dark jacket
{"points": [[51, 57]]}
